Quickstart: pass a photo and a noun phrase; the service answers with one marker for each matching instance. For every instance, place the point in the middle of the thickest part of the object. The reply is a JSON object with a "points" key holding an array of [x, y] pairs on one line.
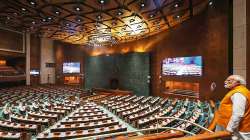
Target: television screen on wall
{"points": [[187, 66], [71, 67], [34, 72]]}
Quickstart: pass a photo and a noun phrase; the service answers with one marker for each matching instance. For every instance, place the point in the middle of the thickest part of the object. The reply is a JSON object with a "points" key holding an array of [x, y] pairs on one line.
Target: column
{"points": [[27, 46], [239, 38]]}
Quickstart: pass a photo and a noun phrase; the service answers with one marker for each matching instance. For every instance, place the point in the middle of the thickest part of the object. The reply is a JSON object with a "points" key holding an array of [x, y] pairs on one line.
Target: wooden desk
{"points": [[81, 133], [83, 126], [84, 120]]}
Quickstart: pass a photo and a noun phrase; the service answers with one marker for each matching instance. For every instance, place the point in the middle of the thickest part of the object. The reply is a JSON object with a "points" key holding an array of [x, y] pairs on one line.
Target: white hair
{"points": [[239, 78]]}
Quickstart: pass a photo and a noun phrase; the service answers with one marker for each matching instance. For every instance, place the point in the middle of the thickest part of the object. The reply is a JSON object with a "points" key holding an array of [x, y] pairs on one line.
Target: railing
{"points": [[127, 132], [211, 136], [203, 128]]}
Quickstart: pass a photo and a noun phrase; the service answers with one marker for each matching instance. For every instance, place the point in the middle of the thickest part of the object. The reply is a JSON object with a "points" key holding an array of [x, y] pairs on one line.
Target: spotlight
{"points": [[43, 19], [57, 12], [210, 3], [142, 5], [33, 22], [119, 13], [176, 5], [101, 1], [78, 19], [99, 17], [178, 16], [32, 3], [23, 9], [49, 18], [77, 8], [151, 15]]}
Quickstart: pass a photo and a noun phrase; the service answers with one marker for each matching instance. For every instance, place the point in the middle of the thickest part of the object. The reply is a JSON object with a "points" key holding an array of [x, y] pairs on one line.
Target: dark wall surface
{"points": [[35, 58], [11, 40], [205, 35], [130, 70], [68, 53]]}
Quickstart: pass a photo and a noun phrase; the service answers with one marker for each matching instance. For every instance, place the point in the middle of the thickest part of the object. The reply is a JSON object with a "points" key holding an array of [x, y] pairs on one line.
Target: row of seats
{"points": [[142, 112], [51, 112]]}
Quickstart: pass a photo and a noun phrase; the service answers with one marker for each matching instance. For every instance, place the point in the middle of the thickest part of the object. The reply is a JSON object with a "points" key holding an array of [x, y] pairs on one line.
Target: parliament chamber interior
{"points": [[121, 69]]}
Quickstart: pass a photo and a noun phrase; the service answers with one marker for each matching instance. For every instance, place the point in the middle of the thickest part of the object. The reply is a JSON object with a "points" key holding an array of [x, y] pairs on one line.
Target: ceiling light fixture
{"points": [[151, 15], [78, 19], [99, 17], [102, 1], [57, 12], [32, 3], [210, 3], [142, 5], [78, 9], [23, 9], [119, 13]]}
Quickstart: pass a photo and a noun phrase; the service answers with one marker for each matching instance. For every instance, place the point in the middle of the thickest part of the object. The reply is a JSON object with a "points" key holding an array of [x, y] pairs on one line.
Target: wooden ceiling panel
{"points": [[86, 22]]}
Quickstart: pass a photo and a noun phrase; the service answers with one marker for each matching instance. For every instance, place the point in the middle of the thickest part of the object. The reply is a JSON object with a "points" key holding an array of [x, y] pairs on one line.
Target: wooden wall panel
{"points": [[205, 35], [67, 53], [35, 56], [11, 41]]}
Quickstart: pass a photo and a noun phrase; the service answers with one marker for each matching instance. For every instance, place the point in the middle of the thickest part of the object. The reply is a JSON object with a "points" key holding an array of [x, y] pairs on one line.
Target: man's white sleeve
{"points": [[239, 105]]}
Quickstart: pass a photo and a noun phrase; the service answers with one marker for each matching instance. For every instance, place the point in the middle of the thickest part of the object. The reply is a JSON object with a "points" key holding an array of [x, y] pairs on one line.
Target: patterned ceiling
{"points": [[97, 22]]}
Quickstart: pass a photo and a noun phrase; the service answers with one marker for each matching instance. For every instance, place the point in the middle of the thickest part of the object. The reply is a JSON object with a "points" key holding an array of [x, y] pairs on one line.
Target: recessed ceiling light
{"points": [[23, 9], [142, 5], [8, 18], [176, 5], [78, 8], [210, 3], [67, 24], [119, 13], [32, 3], [33, 22], [102, 1], [15, 13], [78, 19], [43, 19], [49, 18], [151, 15], [99, 17], [178, 16], [57, 12]]}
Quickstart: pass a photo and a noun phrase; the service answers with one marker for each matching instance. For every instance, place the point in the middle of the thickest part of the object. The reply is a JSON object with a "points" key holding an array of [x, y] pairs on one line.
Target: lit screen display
{"points": [[182, 66], [72, 67]]}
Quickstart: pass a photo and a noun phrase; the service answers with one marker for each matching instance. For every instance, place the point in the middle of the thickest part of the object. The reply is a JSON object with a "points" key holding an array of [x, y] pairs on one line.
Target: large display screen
{"points": [[182, 66], [71, 67], [34, 72]]}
